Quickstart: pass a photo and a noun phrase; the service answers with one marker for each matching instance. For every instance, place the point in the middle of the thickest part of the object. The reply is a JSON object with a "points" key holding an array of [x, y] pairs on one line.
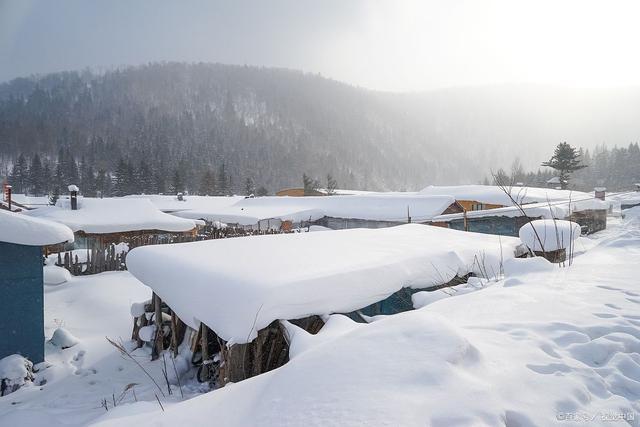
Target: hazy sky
{"points": [[386, 45]]}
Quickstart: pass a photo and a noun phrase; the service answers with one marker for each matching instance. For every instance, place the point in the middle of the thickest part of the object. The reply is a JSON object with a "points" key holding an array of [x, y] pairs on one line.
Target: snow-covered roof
{"points": [[548, 210], [100, 216], [494, 195], [24, 230], [170, 203], [239, 286], [376, 207], [30, 201]]}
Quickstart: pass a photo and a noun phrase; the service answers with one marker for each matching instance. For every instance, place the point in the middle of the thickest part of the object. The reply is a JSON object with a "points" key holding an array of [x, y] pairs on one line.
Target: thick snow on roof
{"points": [[30, 201], [494, 195], [169, 203], [378, 207], [24, 230], [239, 286], [551, 210], [112, 216], [546, 346], [551, 235]]}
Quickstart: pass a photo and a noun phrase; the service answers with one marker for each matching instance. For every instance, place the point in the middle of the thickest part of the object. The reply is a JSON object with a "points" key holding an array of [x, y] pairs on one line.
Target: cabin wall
{"points": [[498, 225], [474, 205], [348, 223], [591, 220], [21, 287]]}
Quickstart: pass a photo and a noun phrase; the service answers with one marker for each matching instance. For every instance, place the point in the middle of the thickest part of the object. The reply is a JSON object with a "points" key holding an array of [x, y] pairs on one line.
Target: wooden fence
{"points": [[105, 252]]}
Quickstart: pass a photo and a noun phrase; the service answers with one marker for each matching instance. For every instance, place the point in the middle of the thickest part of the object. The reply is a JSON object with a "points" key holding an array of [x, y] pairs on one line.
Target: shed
{"points": [[100, 224], [590, 213], [21, 282]]}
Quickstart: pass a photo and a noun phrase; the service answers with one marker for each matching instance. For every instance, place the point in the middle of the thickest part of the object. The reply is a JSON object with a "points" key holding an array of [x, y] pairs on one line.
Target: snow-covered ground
{"points": [[70, 390], [544, 346]]}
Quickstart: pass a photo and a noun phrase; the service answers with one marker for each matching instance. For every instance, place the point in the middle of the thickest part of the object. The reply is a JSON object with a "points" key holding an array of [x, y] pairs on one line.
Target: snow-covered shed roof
{"points": [[494, 195], [171, 203], [547, 210], [239, 286], [375, 207], [101, 216], [24, 230], [30, 201]]}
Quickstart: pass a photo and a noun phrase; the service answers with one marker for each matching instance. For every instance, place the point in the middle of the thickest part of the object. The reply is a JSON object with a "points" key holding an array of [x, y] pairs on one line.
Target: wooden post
{"points": [[158, 343]]}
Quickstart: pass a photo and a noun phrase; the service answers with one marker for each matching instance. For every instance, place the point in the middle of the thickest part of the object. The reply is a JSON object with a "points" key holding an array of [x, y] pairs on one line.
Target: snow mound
{"points": [[519, 266], [239, 286], [21, 229], [549, 235], [147, 333], [54, 275], [63, 338], [15, 371]]}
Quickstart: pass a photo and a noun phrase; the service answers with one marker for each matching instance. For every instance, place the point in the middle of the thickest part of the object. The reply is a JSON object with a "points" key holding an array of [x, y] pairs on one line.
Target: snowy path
{"points": [[547, 347]]}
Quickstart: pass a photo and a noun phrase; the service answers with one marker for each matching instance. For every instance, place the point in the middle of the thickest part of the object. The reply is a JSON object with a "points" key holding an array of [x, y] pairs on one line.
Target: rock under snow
{"points": [[15, 371]]}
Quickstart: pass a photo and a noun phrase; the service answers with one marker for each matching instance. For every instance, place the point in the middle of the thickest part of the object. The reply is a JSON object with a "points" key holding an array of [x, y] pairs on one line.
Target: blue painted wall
{"points": [[499, 225], [21, 301]]}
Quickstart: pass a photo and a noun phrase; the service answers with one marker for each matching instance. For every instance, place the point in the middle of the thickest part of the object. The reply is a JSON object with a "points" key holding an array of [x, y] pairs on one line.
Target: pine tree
{"points": [[207, 184], [120, 183], [565, 160], [262, 191], [103, 183], [177, 184], [36, 176], [222, 183], [249, 187], [19, 177], [332, 184], [310, 185]]}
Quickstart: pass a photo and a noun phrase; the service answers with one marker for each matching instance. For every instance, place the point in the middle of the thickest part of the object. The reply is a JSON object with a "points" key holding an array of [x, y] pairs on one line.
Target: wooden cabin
{"points": [[299, 192], [101, 225], [21, 282]]}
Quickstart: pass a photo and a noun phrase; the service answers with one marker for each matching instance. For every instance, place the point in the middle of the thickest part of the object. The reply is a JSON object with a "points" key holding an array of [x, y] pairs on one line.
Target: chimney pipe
{"points": [[600, 193], [73, 195]]}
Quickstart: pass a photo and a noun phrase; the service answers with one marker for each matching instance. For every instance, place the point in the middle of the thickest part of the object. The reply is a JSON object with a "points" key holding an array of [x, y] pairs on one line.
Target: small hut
{"points": [[590, 214], [236, 291], [21, 281], [101, 225]]}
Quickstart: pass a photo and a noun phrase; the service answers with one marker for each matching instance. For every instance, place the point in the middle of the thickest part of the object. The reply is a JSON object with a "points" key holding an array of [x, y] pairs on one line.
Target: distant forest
{"points": [[221, 129]]}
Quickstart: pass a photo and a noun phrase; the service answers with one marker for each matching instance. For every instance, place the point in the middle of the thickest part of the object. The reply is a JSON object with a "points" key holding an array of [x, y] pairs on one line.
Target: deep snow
{"points": [[242, 285], [545, 346]]}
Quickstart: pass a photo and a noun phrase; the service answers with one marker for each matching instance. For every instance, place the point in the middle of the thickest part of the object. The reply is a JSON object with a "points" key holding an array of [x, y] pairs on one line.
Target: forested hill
{"points": [[162, 127], [269, 125]]}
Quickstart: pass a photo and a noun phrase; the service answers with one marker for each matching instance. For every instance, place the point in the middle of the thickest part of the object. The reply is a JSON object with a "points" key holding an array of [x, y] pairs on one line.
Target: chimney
{"points": [[7, 194], [600, 192], [73, 193]]}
